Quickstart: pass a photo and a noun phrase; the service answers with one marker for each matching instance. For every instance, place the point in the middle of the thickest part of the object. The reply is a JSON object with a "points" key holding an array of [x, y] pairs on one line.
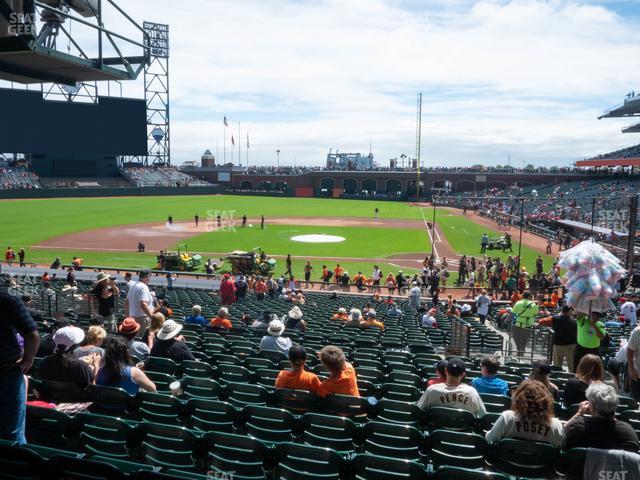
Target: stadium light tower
{"points": [[278, 155]]}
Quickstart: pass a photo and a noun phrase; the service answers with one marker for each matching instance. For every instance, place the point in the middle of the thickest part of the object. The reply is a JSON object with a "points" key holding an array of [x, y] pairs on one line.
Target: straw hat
{"points": [[295, 312], [276, 327], [170, 329], [101, 277]]}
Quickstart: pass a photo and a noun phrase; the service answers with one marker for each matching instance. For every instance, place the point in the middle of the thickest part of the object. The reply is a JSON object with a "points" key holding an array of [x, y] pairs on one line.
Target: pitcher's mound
{"points": [[318, 238]]}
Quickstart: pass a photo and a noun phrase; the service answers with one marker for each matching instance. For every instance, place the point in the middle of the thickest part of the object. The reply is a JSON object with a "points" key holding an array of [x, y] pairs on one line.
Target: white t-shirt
{"points": [[463, 396], [137, 293], [630, 312], [428, 320], [483, 302], [376, 274], [509, 425], [634, 344]]}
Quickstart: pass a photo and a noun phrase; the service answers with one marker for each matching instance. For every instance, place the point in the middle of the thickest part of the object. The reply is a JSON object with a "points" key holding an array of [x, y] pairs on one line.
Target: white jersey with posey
{"points": [[510, 425], [462, 396]]}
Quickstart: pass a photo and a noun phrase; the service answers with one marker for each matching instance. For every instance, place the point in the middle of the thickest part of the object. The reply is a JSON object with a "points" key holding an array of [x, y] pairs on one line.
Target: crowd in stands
{"points": [[628, 152], [18, 178], [160, 177], [188, 356]]}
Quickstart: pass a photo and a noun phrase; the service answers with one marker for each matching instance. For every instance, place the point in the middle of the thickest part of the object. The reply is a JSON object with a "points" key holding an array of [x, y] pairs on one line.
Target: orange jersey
{"points": [[221, 322], [344, 384], [301, 380]]}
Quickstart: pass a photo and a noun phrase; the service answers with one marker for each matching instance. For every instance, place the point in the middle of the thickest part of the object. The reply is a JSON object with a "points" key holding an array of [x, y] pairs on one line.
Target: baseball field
{"points": [[106, 231]]}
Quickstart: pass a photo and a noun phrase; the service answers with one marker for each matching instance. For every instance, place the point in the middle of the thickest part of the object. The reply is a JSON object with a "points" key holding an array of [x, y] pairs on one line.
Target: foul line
{"points": [[431, 239]]}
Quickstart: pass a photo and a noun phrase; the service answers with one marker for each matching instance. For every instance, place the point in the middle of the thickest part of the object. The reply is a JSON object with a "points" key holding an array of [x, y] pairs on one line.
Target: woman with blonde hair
{"points": [[590, 370], [92, 342], [530, 418], [155, 325]]}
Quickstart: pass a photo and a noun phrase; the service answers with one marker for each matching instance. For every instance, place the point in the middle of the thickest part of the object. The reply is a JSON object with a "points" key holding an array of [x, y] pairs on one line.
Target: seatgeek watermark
{"points": [[217, 475], [616, 220], [221, 220], [22, 23]]}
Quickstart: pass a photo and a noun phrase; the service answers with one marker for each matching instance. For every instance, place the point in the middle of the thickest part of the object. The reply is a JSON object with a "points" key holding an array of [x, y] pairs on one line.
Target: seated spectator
{"points": [[169, 345], [263, 323], [341, 316], [441, 372], [371, 321], [394, 311], [47, 345], [453, 393], [429, 319], [28, 302], [221, 320], [355, 318], [590, 369], [92, 342], [530, 418], [118, 370], [274, 340], [488, 382], [155, 325], [295, 321], [298, 378], [61, 365], [540, 371], [600, 429], [128, 329], [196, 317], [342, 376], [163, 307], [466, 311]]}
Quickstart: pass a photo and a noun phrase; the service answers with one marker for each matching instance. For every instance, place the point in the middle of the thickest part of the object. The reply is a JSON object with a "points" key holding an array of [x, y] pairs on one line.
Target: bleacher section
{"points": [[160, 177], [629, 152], [230, 418], [18, 178], [75, 182]]}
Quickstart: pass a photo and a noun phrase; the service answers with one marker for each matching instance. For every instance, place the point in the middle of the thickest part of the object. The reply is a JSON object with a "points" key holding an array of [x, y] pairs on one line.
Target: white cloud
{"points": [[527, 77]]}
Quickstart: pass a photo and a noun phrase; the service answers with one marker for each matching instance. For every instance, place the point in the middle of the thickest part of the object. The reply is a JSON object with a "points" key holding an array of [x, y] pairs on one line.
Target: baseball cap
{"points": [[456, 366], [68, 337], [541, 366], [144, 273]]}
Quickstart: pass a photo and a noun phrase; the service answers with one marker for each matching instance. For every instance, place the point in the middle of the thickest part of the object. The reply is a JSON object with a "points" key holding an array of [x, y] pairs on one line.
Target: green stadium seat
{"points": [[450, 419], [458, 473], [18, 463], [212, 415], [195, 387], [101, 435], [160, 408], [524, 458], [197, 369], [460, 449], [83, 469], [304, 462], [241, 394], [162, 380], [495, 403], [393, 440], [270, 425], [49, 427], [375, 467], [400, 392], [111, 401], [245, 456], [167, 446], [393, 411], [356, 408], [162, 365], [328, 431], [297, 401]]}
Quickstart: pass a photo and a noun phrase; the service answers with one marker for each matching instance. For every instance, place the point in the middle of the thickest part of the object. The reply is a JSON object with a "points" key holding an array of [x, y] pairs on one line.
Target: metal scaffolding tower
{"points": [[156, 92]]}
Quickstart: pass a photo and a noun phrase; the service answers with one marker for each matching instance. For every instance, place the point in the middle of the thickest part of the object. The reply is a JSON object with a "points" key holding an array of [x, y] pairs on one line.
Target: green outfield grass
{"points": [[360, 242], [29, 222]]}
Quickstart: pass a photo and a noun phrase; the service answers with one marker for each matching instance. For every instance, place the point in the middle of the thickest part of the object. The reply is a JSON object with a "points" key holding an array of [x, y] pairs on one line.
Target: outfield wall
{"points": [[111, 192]]}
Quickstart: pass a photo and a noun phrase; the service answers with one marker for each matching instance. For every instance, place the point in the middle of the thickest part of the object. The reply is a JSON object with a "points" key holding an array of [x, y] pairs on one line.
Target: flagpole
{"points": [[247, 150], [224, 142], [239, 147], [218, 152]]}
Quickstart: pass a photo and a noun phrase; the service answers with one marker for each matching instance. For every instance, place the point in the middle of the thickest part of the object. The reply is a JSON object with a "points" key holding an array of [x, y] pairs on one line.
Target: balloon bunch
{"points": [[592, 273]]}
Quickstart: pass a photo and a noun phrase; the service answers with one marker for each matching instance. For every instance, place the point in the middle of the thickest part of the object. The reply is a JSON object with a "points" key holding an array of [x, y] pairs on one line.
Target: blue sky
{"points": [[525, 78]]}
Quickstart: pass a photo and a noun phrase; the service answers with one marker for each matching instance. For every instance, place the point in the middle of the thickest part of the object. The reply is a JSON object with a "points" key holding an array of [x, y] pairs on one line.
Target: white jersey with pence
{"points": [[462, 396]]}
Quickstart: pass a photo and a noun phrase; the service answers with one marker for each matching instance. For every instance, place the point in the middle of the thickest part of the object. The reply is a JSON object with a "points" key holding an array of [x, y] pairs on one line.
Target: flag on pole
{"points": [[233, 142], [247, 140], [225, 121]]}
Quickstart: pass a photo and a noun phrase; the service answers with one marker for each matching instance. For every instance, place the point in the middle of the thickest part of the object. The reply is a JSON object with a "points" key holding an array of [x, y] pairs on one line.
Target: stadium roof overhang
{"points": [[629, 108], [610, 162]]}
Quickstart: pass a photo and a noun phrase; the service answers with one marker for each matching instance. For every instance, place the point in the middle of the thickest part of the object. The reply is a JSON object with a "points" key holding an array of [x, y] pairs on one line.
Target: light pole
{"points": [[278, 154]]}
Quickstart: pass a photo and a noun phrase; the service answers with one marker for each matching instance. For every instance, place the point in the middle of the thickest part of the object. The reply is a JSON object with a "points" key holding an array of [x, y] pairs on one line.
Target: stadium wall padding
{"points": [[110, 192]]}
